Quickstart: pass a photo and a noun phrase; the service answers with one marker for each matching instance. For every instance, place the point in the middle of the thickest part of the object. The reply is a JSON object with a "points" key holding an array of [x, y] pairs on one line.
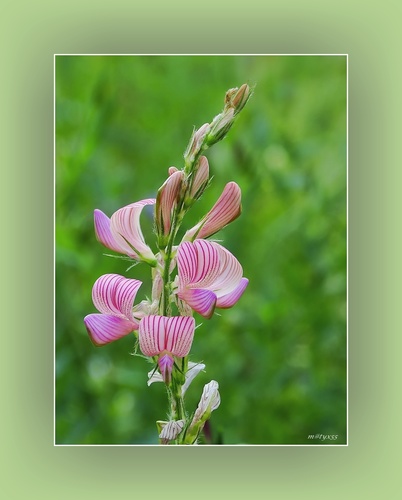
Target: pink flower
{"points": [[225, 210], [209, 276], [122, 232], [113, 296], [166, 338]]}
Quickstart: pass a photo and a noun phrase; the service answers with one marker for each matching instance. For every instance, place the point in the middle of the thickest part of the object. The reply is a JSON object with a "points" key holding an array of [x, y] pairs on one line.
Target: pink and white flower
{"points": [[167, 338], [113, 296], [122, 232], [225, 210], [209, 276]]}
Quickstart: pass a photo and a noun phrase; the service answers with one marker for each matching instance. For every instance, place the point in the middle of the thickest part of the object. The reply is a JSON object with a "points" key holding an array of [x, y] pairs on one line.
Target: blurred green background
{"points": [[279, 355]]}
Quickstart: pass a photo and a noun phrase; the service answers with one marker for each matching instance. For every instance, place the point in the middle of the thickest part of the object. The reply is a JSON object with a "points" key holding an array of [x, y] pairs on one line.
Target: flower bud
{"points": [[220, 126], [195, 144], [239, 100], [166, 202], [172, 170], [198, 180], [210, 400]]}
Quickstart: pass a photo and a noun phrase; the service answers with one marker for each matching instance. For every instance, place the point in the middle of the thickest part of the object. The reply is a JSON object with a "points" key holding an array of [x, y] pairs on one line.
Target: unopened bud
{"points": [[195, 144], [210, 400], [172, 170], [198, 181], [166, 202], [237, 98], [220, 126], [241, 97]]}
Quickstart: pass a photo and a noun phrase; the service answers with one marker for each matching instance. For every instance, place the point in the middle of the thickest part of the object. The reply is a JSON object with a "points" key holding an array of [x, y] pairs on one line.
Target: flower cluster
{"points": [[195, 276]]}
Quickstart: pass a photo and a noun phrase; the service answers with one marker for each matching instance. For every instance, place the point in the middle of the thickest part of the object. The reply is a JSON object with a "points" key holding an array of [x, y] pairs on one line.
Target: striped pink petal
{"points": [[105, 328], [179, 335], [166, 337], [165, 364], [198, 263], [200, 300], [225, 210], [231, 298], [166, 201], [126, 230], [209, 276], [230, 271], [114, 294], [160, 333], [104, 235]]}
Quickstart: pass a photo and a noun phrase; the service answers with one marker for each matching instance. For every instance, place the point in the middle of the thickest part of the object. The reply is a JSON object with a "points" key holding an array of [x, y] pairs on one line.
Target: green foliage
{"points": [[279, 355]]}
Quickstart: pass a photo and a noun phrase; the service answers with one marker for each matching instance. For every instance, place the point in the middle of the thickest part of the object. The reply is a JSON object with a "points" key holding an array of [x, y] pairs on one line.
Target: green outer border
{"points": [[31, 34]]}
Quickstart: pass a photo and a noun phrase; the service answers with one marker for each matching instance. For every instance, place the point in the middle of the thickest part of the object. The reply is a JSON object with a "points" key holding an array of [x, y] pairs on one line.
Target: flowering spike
{"points": [[225, 210], [209, 276], [113, 296]]}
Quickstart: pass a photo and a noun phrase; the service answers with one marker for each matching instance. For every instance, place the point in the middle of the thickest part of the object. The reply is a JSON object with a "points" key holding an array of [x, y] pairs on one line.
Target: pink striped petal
{"points": [[151, 335], [174, 335], [105, 328], [225, 210], [114, 294], [166, 201], [179, 335], [200, 300], [165, 364], [198, 263], [126, 230], [209, 276], [231, 298], [230, 271], [104, 235]]}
